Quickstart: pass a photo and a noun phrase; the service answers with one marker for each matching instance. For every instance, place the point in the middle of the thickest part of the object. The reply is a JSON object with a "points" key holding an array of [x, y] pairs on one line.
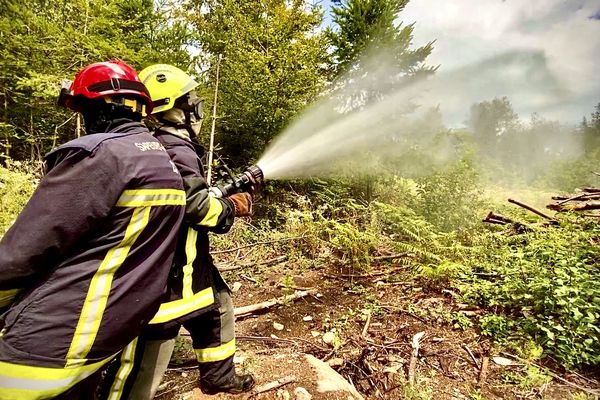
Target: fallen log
{"points": [[581, 206], [533, 210], [246, 310], [499, 219], [591, 189]]}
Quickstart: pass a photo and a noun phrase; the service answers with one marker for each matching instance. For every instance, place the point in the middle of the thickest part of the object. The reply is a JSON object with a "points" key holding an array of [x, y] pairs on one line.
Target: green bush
{"points": [[16, 186], [451, 199], [545, 284]]}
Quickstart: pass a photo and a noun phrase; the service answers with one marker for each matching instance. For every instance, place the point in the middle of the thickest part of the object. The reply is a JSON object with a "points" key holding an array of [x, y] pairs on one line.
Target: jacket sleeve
{"points": [[73, 198], [204, 210]]}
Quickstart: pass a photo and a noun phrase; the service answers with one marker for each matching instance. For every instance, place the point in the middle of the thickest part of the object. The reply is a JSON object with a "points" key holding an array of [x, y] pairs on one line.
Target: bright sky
{"points": [[560, 74]]}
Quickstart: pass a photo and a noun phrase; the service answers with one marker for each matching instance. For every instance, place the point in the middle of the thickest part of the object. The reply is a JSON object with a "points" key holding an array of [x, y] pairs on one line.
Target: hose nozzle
{"points": [[251, 180]]}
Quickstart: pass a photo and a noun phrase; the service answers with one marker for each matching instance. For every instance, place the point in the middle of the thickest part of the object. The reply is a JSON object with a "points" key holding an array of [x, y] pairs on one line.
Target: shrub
{"points": [[544, 283], [451, 199], [16, 186]]}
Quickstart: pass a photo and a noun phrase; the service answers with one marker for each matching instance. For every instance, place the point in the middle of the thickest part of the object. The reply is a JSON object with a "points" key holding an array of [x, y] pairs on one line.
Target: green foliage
{"points": [[572, 173], [541, 282], [274, 55], [353, 244], [451, 198], [47, 41], [372, 25], [440, 275], [496, 326], [16, 186]]}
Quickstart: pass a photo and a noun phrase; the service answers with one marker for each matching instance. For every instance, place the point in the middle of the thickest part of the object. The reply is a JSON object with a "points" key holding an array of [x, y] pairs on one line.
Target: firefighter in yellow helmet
{"points": [[199, 298]]}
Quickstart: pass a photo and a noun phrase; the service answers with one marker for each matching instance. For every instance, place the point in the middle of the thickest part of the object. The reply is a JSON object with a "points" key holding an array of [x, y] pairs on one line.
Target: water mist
{"points": [[379, 115]]}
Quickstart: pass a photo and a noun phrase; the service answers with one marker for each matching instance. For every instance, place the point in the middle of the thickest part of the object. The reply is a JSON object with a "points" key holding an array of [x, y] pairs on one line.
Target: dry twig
{"points": [[471, 355], [485, 362], [245, 310], [257, 244], [275, 384], [553, 374], [366, 327], [413, 357]]}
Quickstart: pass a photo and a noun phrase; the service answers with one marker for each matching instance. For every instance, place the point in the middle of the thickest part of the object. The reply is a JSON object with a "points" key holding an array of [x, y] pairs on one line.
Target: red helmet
{"points": [[104, 79]]}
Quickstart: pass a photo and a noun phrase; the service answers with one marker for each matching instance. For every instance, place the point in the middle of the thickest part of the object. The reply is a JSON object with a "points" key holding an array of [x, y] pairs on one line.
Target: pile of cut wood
{"points": [[587, 199]]}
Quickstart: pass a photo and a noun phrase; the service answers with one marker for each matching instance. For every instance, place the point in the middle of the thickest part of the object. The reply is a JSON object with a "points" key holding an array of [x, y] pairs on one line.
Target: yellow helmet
{"points": [[166, 83]]}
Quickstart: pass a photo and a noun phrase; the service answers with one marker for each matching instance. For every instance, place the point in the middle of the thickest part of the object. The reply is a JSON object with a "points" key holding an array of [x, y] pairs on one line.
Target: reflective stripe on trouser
{"points": [[148, 365], [126, 361], [154, 363], [7, 296], [190, 301], [213, 336], [24, 382]]}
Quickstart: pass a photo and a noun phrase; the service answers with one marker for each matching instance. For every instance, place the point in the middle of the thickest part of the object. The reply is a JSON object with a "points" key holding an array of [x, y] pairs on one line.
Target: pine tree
{"points": [[365, 27]]}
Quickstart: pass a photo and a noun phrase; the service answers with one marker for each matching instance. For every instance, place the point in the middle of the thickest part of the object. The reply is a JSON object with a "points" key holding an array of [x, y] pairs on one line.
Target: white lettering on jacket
{"points": [[145, 146]]}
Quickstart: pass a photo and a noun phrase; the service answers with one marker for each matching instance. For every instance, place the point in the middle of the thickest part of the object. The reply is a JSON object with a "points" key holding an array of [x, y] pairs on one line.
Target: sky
{"points": [[544, 55]]}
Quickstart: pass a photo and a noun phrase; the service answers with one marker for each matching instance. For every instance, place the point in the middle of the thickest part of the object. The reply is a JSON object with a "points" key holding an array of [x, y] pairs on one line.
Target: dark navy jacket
{"points": [[194, 278], [85, 264]]}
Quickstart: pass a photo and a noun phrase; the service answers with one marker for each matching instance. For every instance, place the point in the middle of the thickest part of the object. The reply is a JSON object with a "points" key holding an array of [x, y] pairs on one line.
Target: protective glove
{"points": [[242, 202]]}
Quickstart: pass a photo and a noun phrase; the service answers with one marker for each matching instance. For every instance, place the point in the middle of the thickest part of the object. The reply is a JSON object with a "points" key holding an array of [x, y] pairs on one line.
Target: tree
{"points": [[591, 132], [50, 40], [490, 121], [369, 35], [372, 58], [273, 62]]}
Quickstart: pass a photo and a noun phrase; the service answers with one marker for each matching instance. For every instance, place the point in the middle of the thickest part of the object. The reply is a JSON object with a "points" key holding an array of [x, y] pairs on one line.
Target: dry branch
{"points": [[366, 327], [591, 189], [275, 384], [553, 374], [484, 370], [468, 350], [276, 260], [494, 218], [588, 205], [413, 357], [257, 244], [245, 310], [390, 257], [533, 210], [293, 341]]}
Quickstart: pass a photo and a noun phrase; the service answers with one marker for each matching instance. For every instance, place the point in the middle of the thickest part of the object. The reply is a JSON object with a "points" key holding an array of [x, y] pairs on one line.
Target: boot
{"points": [[236, 385]]}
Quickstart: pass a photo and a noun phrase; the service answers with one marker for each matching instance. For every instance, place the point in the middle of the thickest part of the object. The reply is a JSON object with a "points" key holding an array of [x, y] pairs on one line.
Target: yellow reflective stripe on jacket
{"points": [[7, 296], [99, 289], [188, 268], [126, 361], [215, 208], [151, 197], [218, 353], [178, 308], [25, 382]]}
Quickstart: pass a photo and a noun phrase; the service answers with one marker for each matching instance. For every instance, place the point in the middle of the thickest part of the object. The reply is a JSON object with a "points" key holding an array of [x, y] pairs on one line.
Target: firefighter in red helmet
{"points": [[85, 264]]}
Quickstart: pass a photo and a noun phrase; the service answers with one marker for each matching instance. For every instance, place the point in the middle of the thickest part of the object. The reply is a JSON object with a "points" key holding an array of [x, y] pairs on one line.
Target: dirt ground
{"points": [[454, 361]]}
